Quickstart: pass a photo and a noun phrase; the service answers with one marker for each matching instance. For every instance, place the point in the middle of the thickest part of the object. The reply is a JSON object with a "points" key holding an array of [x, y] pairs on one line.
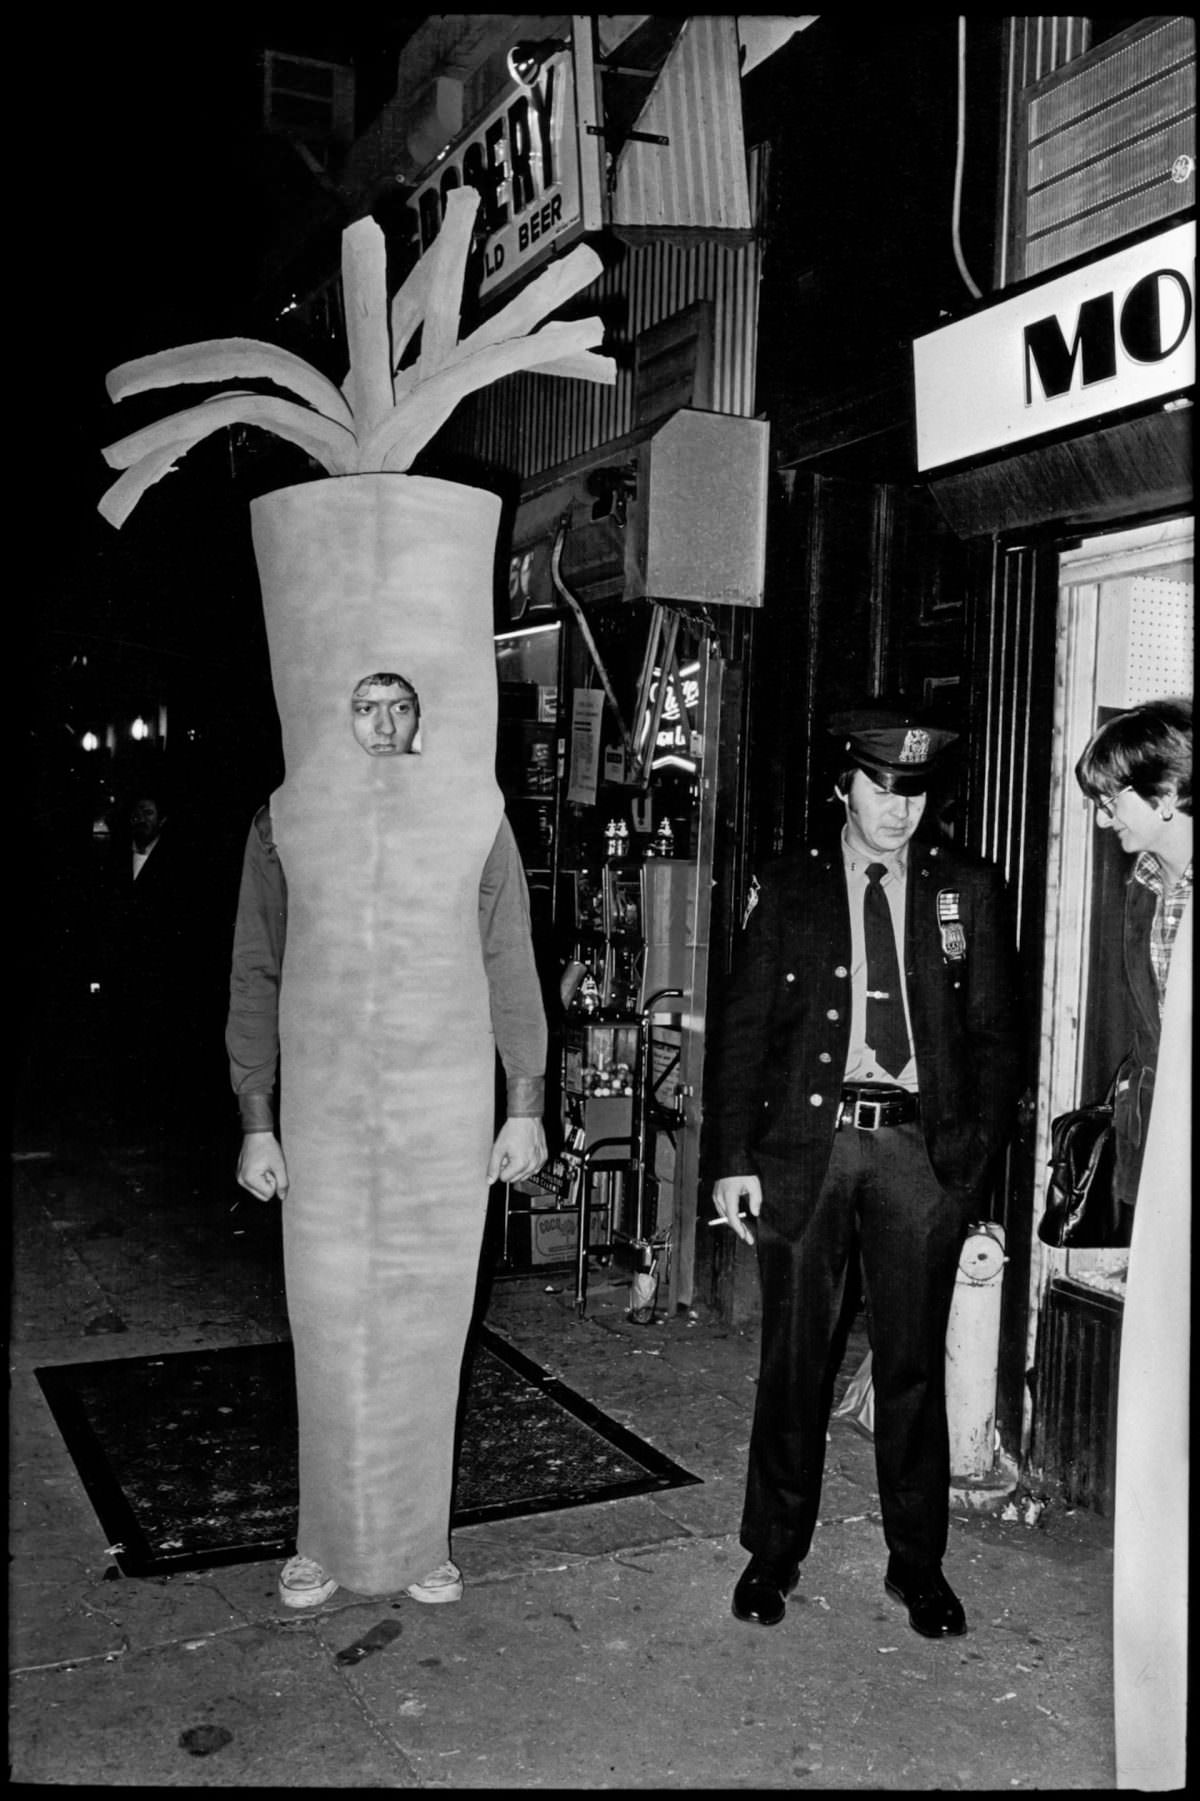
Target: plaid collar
{"points": [[1148, 871], [1169, 907]]}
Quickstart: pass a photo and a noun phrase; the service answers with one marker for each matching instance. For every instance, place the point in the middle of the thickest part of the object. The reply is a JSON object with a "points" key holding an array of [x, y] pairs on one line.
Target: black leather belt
{"points": [[870, 1105]]}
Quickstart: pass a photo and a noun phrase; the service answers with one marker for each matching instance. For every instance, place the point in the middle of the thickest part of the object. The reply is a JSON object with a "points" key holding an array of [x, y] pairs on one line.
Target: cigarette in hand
{"points": [[720, 1220]]}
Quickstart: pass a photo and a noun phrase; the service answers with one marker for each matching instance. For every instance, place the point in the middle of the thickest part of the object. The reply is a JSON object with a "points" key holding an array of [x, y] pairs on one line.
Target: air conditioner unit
{"points": [[674, 514], [1105, 145]]}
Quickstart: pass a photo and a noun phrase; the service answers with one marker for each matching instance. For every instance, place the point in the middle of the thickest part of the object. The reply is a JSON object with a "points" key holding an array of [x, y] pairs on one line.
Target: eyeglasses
{"points": [[1107, 803]]}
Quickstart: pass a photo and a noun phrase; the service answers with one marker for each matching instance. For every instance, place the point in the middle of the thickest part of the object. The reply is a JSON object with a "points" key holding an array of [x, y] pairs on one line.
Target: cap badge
{"points": [[916, 747]]}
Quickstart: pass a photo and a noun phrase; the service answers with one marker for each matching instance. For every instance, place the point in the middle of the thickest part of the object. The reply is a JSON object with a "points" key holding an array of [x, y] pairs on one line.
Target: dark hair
{"points": [[387, 678], [1148, 749]]}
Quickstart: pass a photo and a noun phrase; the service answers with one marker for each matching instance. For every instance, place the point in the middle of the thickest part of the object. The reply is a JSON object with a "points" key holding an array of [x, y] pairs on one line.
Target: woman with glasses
{"points": [[1137, 770]]}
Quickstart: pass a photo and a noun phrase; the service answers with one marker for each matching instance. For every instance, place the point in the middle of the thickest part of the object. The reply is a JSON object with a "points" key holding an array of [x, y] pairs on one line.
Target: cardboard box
{"points": [[536, 1239]]}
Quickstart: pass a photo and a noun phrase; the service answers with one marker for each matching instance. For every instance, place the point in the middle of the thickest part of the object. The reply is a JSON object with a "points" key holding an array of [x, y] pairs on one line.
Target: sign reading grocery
{"points": [[523, 157], [1115, 334]]}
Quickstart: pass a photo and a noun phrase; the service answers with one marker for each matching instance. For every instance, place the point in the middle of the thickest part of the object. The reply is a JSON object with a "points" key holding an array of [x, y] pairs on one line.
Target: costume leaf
{"points": [[230, 359], [384, 415]]}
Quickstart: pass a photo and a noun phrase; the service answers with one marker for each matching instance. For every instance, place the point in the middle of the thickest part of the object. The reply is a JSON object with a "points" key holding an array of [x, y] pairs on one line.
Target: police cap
{"points": [[897, 749]]}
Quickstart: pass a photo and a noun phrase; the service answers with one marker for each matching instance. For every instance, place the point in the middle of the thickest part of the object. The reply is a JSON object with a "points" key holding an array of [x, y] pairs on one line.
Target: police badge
{"points": [[954, 937]]}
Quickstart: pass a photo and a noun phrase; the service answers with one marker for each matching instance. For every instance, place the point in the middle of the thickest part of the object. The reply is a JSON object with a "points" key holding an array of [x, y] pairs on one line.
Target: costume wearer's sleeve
{"points": [[260, 931], [518, 1017]]}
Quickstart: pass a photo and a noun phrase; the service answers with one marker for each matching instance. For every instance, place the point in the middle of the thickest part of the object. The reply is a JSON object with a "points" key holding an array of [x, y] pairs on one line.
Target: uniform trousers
{"points": [[880, 1200]]}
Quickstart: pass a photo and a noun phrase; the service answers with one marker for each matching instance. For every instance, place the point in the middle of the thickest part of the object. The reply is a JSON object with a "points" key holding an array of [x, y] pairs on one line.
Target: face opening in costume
{"points": [[385, 715]]}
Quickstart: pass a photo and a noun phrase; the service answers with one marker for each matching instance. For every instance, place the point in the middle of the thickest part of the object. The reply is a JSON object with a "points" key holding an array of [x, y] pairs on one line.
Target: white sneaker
{"points": [[303, 1583], [443, 1584]]}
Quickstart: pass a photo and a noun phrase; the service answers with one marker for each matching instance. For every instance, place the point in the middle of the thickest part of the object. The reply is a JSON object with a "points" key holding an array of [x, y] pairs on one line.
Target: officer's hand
{"points": [[735, 1197], [519, 1150], [262, 1168]]}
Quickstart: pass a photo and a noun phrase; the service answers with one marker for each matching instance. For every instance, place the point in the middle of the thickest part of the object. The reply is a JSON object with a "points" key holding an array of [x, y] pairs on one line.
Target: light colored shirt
{"points": [[862, 1065]]}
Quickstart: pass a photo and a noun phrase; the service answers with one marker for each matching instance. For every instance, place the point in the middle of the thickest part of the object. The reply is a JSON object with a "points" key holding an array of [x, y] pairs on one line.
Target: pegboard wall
{"points": [[1161, 638]]}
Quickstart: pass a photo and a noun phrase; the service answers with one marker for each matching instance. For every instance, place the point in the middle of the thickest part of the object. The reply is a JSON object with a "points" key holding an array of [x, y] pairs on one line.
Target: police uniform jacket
{"points": [[783, 1033]]}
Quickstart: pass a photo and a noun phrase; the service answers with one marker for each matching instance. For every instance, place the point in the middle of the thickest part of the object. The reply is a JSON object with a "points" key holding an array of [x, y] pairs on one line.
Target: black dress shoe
{"points": [[760, 1596], [934, 1610]]}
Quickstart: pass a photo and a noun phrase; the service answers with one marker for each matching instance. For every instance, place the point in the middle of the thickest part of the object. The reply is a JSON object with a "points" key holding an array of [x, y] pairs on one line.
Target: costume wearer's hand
{"points": [[519, 1150], [734, 1195], [262, 1168]]}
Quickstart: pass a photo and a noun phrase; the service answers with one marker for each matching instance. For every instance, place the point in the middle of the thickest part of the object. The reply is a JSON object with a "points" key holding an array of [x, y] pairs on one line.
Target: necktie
{"points": [[886, 1032]]}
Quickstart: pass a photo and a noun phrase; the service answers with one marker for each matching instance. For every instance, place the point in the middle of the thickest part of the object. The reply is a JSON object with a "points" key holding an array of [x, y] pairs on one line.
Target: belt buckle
{"points": [[868, 1125]]}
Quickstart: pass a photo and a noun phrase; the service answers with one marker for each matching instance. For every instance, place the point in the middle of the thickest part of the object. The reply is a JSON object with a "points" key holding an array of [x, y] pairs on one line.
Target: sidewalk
{"points": [[594, 1647]]}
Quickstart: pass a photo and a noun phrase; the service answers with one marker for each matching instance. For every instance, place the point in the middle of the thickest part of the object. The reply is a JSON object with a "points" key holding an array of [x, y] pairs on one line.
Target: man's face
{"points": [[145, 822], [1136, 823], [877, 822], [384, 718]]}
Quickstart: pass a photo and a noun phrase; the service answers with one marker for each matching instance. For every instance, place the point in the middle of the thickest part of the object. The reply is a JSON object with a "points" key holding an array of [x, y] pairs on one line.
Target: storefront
{"points": [[1054, 431]]}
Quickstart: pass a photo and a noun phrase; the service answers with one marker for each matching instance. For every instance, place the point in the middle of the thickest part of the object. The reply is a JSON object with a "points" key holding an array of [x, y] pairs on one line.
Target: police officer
{"points": [[866, 1066]]}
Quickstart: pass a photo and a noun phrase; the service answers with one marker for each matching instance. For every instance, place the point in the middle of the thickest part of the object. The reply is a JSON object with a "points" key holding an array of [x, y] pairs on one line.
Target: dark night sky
{"points": [[142, 242]]}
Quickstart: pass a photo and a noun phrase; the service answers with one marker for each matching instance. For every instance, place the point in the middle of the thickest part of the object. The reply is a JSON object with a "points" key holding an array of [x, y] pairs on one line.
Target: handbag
{"points": [[1081, 1208]]}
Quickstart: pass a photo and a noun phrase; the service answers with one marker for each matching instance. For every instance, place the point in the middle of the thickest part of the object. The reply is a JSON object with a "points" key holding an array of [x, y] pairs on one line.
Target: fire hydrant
{"points": [[973, 1351]]}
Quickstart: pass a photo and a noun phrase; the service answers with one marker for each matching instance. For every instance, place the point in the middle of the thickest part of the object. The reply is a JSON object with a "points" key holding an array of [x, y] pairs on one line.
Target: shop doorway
{"points": [[1125, 635]]}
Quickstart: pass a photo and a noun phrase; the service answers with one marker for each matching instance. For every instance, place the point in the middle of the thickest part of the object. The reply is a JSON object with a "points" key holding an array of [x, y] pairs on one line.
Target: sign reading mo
{"points": [[1148, 326], [1114, 333]]}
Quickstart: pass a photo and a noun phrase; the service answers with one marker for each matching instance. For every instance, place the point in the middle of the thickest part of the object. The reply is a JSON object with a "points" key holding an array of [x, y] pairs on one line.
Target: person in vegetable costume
{"points": [[385, 1013]]}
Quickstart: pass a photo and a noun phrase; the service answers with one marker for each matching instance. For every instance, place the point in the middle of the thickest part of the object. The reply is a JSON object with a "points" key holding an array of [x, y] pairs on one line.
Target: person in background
{"points": [[384, 717], [866, 1068], [1137, 769], [1137, 772], [144, 976]]}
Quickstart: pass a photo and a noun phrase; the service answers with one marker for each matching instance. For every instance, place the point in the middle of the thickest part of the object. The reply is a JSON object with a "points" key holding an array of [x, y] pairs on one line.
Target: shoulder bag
{"points": [[1081, 1210]]}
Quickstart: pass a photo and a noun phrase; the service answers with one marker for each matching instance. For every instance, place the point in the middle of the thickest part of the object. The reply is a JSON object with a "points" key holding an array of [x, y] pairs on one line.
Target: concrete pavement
{"points": [[594, 1647]]}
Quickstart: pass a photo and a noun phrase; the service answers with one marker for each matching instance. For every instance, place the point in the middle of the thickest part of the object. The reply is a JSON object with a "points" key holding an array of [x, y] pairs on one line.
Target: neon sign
{"points": [[677, 744]]}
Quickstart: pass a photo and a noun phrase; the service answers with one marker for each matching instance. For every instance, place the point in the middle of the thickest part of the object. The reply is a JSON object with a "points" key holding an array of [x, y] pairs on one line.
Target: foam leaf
{"points": [[408, 309], [368, 385], [399, 439], [119, 500], [443, 293], [584, 367], [330, 445], [230, 359], [542, 297]]}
